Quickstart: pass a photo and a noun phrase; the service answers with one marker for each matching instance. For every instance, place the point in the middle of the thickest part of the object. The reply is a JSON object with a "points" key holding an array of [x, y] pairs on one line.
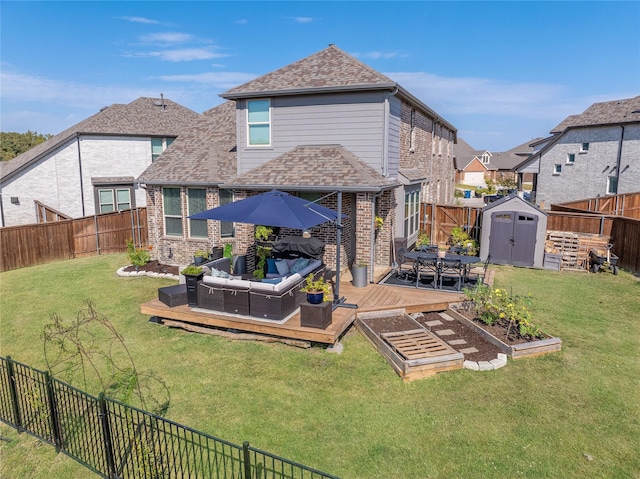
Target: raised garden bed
{"points": [[517, 348]]}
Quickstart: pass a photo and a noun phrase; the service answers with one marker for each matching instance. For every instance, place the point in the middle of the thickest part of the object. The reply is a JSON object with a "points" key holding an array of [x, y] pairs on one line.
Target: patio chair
{"points": [[427, 268], [478, 273], [404, 273], [451, 269]]}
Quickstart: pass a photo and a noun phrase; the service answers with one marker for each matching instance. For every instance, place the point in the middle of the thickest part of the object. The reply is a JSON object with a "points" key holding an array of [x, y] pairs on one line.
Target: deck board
{"points": [[373, 297]]}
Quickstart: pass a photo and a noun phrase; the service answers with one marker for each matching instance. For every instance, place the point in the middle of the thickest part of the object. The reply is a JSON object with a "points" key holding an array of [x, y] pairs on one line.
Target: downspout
{"points": [[619, 159], [372, 254], [385, 138], [433, 136], [1, 211], [80, 170]]}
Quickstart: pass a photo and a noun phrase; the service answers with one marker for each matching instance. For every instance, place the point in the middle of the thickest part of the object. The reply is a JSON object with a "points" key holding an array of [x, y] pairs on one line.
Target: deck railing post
{"points": [[14, 395]]}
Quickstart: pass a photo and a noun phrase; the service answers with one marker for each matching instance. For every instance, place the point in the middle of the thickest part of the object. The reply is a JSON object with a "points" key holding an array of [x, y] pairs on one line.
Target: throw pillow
{"points": [[299, 265], [283, 267], [271, 266], [216, 273]]}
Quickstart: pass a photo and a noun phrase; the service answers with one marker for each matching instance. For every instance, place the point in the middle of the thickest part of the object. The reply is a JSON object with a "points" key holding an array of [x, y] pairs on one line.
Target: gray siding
{"points": [[393, 146], [353, 120]]}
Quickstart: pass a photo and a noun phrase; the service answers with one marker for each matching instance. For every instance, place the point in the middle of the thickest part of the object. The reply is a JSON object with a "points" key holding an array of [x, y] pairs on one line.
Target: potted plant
{"points": [[200, 257], [192, 275], [359, 274], [317, 290], [378, 222]]}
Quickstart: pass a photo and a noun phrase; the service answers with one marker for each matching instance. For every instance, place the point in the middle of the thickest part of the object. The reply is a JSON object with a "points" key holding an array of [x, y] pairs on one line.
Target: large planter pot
{"points": [[198, 260], [360, 277], [192, 281], [315, 298], [516, 351]]}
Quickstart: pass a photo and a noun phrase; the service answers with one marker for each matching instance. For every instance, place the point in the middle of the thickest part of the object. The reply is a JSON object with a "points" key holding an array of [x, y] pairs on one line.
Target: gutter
{"points": [[619, 158], [372, 254]]}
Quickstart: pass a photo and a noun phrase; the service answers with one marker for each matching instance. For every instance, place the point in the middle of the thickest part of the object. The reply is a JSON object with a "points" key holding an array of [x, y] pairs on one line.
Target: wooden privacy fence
{"points": [[28, 245], [438, 221], [627, 205]]}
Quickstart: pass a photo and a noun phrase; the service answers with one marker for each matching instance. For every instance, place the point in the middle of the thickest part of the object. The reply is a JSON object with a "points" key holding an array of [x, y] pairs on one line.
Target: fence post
{"points": [[53, 412], [95, 226], [106, 434], [247, 460], [14, 395]]}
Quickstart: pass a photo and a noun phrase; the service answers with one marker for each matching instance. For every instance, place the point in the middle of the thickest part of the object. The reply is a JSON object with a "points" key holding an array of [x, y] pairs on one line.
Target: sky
{"points": [[502, 73]]}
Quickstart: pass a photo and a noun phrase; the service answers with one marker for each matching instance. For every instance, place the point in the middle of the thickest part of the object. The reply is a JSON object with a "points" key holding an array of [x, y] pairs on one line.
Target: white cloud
{"points": [[139, 20], [303, 19], [377, 55], [167, 38], [180, 55], [242, 21], [222, 80]]}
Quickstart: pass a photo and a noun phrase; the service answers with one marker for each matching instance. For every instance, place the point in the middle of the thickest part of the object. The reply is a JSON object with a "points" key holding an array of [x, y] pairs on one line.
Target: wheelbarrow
{"points": [[603, 260]]}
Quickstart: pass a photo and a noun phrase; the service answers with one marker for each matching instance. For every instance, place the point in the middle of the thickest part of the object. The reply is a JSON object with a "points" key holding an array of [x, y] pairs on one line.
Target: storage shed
{"points": [[513, 232]]}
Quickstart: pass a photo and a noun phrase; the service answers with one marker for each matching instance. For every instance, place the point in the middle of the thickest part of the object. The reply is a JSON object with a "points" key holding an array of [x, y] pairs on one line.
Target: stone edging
{"points": [[122, 272]]}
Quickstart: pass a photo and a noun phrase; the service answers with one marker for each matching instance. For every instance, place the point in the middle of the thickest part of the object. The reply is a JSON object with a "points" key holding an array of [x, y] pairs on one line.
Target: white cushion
{"points": [[239, 283], [215, 281], [263, 287]]}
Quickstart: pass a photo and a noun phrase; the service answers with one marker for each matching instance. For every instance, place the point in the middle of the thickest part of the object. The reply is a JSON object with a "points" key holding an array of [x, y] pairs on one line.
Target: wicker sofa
{"points": [[266, 300]]}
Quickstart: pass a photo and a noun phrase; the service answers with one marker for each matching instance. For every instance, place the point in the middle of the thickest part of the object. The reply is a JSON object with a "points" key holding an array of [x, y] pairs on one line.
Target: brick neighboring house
{"points": [[593, 154], [473, 166], [92, 166], [323, 124]]}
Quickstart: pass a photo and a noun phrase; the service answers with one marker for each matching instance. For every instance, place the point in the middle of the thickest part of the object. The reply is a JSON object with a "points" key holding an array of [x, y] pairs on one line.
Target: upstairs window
{"points": [[612, 185], [584, 147], [114, 199], [557, 169], [172, 211], [571, 158], [158, 145], [197, 203], [259, 122]]}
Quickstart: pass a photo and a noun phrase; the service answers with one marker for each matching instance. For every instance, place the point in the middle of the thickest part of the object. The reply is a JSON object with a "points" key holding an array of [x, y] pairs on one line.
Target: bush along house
{"points": [[324, 124]]}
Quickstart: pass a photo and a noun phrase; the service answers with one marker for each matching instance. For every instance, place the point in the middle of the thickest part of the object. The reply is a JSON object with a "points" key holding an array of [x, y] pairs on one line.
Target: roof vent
{"points": [[104, 108], [160, 102]]}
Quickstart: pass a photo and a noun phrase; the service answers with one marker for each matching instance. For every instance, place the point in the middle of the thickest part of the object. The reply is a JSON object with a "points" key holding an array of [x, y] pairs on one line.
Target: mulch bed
{"points": [[154, 267], [486, 350]]}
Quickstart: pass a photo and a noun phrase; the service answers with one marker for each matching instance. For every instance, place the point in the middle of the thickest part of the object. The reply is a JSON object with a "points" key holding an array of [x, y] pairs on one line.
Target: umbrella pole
{"points": [[337, 300]]}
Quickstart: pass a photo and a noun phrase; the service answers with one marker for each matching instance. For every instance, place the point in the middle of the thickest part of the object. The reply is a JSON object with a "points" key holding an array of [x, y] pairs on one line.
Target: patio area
{"points": [[373, 297]]}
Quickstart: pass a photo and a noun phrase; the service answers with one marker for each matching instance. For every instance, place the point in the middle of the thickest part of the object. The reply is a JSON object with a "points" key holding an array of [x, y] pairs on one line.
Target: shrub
{"points": [[138, 256]]}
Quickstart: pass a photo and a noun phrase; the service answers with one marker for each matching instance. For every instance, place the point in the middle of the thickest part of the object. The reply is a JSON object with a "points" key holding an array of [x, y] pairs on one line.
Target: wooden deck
{"points": [[374, 297]]}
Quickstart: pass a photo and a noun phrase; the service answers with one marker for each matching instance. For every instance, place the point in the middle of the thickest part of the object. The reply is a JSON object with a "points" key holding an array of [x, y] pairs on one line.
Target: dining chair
{"points": [[404, 273], [427, 268], [478, 273], [451, 269]]}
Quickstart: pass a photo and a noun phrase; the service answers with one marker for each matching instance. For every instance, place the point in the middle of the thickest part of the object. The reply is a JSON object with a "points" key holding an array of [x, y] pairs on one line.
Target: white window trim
{"points": [[569, 162], [259, 123], [609, 185], [557, 169], [582, 148]]}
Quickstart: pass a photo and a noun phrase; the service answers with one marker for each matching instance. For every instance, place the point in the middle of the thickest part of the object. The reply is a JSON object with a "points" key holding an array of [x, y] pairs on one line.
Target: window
{"points": [[584, 147], [557, 169], [172, 211], [571, 158], [110, 199], [259, 122], [411, 213], [226, 227], [196, 203], [612, 185], [158, 145]]}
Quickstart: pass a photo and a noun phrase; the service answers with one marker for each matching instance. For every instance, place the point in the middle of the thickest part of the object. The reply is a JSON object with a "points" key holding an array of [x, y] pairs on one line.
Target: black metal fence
{"points": [[119, 441]]}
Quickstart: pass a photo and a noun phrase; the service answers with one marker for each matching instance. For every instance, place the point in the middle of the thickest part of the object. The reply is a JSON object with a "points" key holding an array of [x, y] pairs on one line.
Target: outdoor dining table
{"points": [[423, 258]]}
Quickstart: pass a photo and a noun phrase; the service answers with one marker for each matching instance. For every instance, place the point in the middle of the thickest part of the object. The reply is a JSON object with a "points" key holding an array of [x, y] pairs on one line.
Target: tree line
{"points": [[13, 144]]}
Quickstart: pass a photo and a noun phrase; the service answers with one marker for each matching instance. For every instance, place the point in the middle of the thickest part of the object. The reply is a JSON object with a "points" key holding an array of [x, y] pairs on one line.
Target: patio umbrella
{"points": [[272, 208]]}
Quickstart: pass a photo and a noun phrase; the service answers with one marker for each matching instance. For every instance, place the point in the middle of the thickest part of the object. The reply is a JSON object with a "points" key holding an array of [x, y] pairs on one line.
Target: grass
{"points": [[350, 414]]}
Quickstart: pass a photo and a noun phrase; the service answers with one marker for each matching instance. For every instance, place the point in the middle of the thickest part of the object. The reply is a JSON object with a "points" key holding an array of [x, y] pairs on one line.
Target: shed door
{"points": [[513, 238]]}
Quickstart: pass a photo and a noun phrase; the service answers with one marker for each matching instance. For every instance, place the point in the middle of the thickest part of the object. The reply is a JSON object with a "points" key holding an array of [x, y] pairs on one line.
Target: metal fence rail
{"points": [[118, 441]]}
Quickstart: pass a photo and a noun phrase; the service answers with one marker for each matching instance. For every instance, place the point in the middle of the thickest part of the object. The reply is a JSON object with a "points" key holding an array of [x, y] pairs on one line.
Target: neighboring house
{"points": [[592, 154], [324, 124], [474, 167], [91, 167]]}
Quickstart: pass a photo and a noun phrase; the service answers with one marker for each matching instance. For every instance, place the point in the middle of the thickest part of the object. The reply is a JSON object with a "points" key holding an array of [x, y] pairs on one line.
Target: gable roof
{"points": [[204, 155], [605, 113], [464, 154], [505, 160], [314, 167], [142, 117], [328, 71]]}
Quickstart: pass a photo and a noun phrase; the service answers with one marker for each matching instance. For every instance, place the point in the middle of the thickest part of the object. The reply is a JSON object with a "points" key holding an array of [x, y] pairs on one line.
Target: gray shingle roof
{"points": [[317, 167], [605, 113], [329, 69], [141, 117], [205, 154]]}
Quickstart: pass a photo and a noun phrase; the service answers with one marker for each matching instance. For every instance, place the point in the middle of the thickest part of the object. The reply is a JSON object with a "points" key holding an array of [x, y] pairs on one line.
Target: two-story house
{"points": [[325, 124], [91, 167], [593, 154]]}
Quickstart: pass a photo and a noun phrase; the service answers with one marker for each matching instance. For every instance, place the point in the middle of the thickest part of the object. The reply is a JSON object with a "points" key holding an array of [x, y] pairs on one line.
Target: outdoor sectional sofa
{"points": [[273, 298]]}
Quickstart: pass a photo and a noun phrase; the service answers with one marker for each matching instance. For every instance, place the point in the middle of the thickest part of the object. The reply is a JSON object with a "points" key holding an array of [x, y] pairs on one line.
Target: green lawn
{"points": [[350, 414]]}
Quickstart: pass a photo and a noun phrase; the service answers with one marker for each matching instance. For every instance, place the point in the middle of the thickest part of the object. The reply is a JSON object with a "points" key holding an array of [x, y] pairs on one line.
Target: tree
{"points": [[13, 144]]}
